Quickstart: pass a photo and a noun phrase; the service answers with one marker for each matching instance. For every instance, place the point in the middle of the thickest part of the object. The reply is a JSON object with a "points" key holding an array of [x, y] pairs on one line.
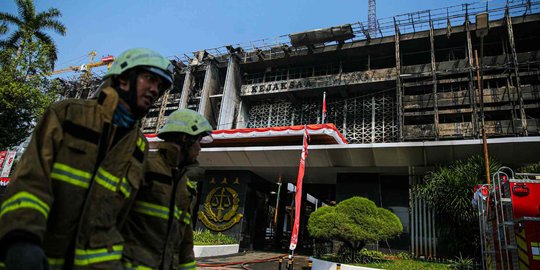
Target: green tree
{"points": [[354, 222], [24, 91], [530, 168], [3, 29], [448, 191], [31, 26]]}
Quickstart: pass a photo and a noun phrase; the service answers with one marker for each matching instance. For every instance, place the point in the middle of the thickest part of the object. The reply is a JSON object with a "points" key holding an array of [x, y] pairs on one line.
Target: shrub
{"points": [[354, 222], [530, 168], [371, 256], [207, 237], [404, 256], [461, 263]]}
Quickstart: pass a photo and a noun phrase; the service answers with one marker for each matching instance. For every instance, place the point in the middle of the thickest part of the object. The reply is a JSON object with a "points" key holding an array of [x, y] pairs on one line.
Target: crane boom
{"points": [[105, 61]]}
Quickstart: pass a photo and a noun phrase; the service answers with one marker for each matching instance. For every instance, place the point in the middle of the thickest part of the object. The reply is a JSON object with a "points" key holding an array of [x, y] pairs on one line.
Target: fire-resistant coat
{"points": [[158, 231], [64, 196]]}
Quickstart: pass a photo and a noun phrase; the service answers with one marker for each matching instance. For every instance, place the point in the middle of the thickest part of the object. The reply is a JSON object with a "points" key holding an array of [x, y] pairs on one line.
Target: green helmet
{"points": [[189, 122], [143, 58]]}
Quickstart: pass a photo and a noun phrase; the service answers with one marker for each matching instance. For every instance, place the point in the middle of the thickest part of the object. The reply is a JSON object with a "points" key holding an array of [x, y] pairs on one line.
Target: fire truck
{"points": [[509, 218]]}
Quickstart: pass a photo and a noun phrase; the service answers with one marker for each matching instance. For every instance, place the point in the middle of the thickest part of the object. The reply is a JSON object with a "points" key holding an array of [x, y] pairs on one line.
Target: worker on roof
{"points": [[73, 186], [158, 230]]}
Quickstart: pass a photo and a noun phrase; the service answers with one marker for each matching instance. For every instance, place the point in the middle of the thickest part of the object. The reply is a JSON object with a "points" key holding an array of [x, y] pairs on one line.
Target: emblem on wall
{"points": [[220, 207]]}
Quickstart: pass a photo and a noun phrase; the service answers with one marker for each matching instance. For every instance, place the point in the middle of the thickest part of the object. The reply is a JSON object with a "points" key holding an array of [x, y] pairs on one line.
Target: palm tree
{"points": [[31, 25], [3, 29], [448, 191]]}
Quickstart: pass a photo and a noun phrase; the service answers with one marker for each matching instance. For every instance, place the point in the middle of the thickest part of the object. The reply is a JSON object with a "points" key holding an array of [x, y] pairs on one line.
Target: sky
{"points": [[178, 27]]}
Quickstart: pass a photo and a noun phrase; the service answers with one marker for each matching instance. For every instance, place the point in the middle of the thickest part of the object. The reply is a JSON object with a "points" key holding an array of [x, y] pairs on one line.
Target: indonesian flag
{"points": [[298, 196], [323, 108]]}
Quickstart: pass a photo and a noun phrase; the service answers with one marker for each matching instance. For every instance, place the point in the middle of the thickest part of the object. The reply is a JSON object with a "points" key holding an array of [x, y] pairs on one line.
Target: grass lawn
{"points": [[407, 265]]}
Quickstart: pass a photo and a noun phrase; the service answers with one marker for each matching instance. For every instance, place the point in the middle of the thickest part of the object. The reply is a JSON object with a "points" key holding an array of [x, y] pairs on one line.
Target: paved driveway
{"points": [[255, 260]]}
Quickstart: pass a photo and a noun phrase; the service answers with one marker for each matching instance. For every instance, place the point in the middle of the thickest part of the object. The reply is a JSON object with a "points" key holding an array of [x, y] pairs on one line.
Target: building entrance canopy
{"points": [[326, 161]]}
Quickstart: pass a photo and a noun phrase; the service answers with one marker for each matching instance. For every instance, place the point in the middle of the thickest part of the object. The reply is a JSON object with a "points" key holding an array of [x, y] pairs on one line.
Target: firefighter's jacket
{"points": [[158, 231], [73, 186]]}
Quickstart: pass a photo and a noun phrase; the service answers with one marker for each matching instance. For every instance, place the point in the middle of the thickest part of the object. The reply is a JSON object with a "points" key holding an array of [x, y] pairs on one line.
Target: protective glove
{"points": [[25, 256]]}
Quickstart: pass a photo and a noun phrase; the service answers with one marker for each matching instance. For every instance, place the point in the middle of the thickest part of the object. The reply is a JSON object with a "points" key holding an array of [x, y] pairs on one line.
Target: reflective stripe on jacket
{"points": [[59, 174], [159, 233]]}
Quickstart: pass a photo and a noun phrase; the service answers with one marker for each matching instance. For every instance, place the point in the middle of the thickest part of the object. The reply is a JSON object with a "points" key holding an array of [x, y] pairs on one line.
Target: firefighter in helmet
{"points": [[78, 176], [158, 231]]}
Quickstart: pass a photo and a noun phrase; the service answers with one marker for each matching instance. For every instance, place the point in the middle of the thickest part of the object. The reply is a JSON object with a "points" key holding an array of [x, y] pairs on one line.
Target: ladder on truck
{"points": [[501, 221]]}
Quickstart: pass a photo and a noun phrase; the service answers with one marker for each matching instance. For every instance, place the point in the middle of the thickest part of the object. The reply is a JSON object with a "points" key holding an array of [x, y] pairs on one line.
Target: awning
{"points": [[320, 134]]}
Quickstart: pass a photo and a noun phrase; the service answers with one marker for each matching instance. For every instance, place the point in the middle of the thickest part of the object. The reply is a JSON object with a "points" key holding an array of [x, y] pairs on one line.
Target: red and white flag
{"points": [[298, 196], [324, 108], [8, 162], [2, 158]]}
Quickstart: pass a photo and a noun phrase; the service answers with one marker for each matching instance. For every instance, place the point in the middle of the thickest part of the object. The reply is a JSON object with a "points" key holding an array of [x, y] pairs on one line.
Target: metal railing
{"points": [[271, 48]]}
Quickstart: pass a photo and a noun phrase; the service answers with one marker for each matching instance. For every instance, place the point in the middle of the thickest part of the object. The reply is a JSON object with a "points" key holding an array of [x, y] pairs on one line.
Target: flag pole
{"points": [[277, 201]]}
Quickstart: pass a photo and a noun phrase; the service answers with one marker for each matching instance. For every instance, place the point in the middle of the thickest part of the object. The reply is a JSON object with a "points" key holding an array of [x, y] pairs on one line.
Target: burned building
{"points": [[417, 92]]}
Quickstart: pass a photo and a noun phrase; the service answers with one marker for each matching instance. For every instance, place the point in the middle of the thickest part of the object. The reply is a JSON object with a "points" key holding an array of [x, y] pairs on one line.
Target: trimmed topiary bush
{"points": [[354, 222]]}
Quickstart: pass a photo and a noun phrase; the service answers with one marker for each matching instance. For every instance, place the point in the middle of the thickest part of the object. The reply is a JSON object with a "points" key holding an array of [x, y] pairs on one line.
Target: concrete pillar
{"points": [[472, 90], [187, 87], [243, 115], [434, 81], [231, 95], [210, 86], [522, 114], [161, 116], [399, 90]]}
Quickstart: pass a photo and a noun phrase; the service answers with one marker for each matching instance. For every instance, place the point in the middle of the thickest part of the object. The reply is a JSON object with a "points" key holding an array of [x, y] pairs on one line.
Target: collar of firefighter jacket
{"points": [[109, 100], [171, 153]]}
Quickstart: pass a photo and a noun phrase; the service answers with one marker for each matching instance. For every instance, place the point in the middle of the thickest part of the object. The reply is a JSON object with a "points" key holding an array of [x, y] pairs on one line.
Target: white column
{"points": [[231, 95]]}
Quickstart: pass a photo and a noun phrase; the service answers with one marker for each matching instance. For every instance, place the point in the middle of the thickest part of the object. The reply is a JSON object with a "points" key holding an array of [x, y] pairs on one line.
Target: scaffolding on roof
{"points": [[278, 47]]}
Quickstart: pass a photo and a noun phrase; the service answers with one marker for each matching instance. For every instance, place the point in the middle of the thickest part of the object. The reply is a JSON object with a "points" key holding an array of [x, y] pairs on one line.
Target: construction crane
{"points": [[84, 88], [87, 68]]}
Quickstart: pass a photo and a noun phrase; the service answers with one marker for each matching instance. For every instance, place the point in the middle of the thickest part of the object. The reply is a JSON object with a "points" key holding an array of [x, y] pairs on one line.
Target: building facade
{"points": [[415, 93], [406, 98]]}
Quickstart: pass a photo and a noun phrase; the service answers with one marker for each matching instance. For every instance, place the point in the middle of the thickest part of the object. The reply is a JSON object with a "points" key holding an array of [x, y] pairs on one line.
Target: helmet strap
{"points": [[132, 102], [130, 96], [185, 147]]}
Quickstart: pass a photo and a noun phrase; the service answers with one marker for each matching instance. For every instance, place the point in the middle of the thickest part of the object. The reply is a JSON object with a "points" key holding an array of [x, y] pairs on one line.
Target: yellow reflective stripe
{"points": [[70, 175], [187, 218], [191, 184], [24, 199], [106, 179], [189, 265], [151, 209], [141, 144], [91, 256], [178, 214], [55, 263], [125, 187], [130, 266]]}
